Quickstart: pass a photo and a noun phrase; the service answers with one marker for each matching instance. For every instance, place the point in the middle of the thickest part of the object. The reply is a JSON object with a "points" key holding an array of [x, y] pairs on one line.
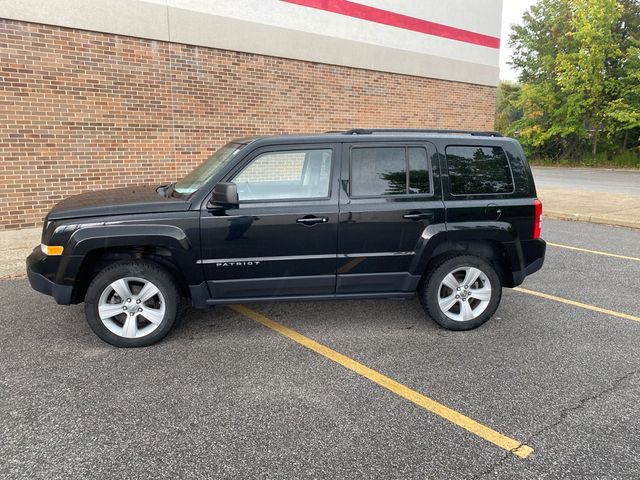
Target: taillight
{"points": [[537, 225]]}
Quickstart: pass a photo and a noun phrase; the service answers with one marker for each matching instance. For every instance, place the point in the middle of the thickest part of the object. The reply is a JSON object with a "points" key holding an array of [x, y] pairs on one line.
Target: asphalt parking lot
{"points": [[591, 179], [226, 396]]}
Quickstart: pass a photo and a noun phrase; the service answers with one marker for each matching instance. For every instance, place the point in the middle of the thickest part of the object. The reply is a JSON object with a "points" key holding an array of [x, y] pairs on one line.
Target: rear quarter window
{"points": [[478, 170]]}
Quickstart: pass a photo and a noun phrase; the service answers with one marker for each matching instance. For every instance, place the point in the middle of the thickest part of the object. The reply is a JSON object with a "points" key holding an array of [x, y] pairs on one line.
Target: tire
{"points": [[143, 317], [468, 310]]}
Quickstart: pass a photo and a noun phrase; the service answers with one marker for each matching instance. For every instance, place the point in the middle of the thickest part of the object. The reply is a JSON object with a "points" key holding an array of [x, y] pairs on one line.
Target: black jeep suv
{"points": [[451, 215]]}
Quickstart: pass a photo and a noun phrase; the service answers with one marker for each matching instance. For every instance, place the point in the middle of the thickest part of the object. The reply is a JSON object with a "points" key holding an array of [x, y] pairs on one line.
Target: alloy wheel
{"points": [[464, 293], [131, 307]]}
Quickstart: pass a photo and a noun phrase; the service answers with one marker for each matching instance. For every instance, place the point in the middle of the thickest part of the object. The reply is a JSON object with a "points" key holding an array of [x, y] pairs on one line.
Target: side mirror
{"points": [[224, 195]]}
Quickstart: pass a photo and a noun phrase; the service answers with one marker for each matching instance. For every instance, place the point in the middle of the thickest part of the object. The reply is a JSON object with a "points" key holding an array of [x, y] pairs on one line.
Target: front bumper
{"points": [[40, 271]]}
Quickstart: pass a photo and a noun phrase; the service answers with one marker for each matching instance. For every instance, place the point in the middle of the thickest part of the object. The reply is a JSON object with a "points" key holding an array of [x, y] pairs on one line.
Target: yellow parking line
{"points": [[578, 304], [597, 252], [517, 448]]}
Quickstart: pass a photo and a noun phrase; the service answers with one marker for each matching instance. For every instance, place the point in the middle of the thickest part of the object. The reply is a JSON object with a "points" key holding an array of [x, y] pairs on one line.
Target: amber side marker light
{"points": [[51, 249]]}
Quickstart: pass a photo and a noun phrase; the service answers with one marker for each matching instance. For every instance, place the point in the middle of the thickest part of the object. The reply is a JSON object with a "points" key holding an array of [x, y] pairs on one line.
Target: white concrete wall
{"points": [[283, 29]]}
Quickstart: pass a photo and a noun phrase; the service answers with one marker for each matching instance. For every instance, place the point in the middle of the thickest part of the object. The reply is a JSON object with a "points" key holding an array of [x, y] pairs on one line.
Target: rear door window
{"points": [[381, 171], [478, 170]]}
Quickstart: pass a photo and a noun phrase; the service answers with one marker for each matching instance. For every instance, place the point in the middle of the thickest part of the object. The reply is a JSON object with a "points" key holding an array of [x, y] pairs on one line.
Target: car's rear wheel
{"points": [[132, 304], [461, 292]]}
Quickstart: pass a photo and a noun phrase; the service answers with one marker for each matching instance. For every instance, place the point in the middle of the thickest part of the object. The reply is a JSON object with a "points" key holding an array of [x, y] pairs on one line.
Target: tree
{"points": [[624, 106], [623, 111], [578, 62], [506, 112], [582, 72]]}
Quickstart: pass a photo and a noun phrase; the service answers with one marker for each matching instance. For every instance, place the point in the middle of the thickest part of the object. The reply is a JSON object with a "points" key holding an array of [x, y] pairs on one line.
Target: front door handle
{"points": [[417, 216], [311, 220]]}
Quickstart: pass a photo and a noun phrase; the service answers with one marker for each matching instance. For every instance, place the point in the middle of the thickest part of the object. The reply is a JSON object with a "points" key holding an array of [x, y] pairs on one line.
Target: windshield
{"points": [[194, 180]]}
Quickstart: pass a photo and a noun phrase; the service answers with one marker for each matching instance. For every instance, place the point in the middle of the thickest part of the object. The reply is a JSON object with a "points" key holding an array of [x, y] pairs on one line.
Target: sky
{"points": [[512, 11]]}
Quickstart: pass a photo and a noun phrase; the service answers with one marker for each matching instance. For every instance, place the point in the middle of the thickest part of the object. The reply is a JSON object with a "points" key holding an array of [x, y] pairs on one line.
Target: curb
{"points": [[579, 217]]}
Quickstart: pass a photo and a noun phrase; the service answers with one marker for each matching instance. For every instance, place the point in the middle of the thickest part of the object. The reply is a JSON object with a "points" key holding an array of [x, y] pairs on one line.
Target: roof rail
{"points": [[369, 131]]}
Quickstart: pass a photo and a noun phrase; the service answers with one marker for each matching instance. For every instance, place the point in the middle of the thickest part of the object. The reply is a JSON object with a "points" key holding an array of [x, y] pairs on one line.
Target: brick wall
{"points": [[83, 111]]}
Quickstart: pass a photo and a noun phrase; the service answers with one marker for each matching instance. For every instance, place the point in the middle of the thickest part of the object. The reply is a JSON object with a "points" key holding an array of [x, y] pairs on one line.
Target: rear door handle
{"points": [[417, 216], [493, 212], [309, 220]]}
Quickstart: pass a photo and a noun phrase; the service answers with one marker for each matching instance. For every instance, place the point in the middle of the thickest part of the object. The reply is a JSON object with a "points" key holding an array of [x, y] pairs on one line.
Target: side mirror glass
{"points": [[225, 195]]}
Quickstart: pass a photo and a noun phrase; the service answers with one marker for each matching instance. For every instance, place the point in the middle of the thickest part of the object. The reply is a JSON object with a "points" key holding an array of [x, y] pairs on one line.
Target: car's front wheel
{"points": [[461, 292], [132, 304]]}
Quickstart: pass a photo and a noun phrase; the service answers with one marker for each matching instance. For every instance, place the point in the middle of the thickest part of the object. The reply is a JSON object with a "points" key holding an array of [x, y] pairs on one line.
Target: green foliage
{"points": [[579, 90], [506, 112], [623, 108]]}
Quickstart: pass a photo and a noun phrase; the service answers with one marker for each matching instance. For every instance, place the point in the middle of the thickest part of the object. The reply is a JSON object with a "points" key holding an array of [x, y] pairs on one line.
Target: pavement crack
{"points": [[566, 411], [494, 465], [562, 416]]}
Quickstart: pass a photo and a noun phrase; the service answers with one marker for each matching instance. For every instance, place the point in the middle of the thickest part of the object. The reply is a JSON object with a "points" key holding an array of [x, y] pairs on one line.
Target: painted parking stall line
{"points": [[574, 303], [509, 444], [596, 252]]}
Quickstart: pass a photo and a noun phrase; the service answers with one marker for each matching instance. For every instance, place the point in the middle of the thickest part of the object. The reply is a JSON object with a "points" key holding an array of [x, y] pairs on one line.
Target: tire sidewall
{"points": [[144, 270], [445, 268]]}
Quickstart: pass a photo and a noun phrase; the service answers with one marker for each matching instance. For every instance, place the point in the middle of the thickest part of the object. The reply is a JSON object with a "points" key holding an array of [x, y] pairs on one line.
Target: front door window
{"points": [[286, 175]]}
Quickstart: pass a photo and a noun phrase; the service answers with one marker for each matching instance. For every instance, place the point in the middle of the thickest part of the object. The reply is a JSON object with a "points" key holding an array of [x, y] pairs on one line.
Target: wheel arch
{"points": [[498, 246], [99, 258], [94, 248]]}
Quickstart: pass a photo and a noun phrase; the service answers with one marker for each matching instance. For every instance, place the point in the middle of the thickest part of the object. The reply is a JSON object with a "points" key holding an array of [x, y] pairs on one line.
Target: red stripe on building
{"points": [[393, 19]]}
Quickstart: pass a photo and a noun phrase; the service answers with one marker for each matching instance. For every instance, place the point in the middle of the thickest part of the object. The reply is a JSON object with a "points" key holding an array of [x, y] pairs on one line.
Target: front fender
{"points": [[83, 240], [104, 237]]}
